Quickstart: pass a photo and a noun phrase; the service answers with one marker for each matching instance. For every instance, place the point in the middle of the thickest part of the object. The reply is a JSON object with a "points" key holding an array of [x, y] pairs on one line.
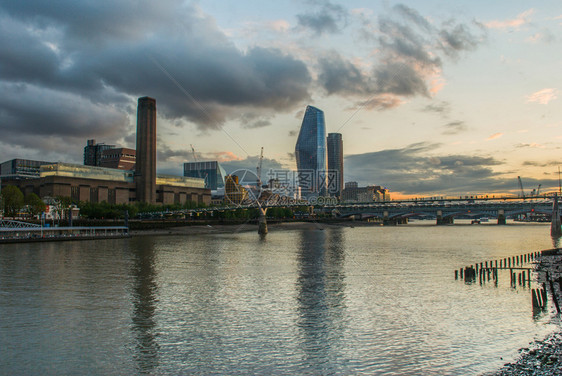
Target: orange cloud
{"points": [[224, 156], [520, 20], [543, 96], [494, 136]]}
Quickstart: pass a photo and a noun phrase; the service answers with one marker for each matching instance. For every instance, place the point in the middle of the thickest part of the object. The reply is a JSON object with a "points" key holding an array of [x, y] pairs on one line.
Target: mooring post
{"points": [[536, 303]]}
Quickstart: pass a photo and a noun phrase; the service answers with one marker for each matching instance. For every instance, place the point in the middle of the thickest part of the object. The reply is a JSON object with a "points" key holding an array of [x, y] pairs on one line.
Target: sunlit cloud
{"points": [[543, 96], [530, 145], [494, 136], [521, 19], [223, 156]]}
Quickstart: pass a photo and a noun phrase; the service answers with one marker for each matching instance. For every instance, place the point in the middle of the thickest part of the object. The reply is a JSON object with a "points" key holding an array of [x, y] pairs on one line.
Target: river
{"points": [[320, 301]]}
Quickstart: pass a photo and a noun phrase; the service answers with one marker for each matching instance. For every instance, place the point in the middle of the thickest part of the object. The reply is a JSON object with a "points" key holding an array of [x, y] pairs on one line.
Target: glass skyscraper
{"points": [[310, 153], [211, 171], [335, 164]]}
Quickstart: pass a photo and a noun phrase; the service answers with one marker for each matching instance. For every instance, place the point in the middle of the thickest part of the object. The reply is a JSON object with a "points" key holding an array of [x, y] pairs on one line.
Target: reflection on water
{"points": [[144, 300], [370, 300]]}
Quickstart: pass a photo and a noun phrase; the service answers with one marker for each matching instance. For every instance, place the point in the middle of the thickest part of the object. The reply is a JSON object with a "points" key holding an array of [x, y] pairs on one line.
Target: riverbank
{"points": [[543, 357]]}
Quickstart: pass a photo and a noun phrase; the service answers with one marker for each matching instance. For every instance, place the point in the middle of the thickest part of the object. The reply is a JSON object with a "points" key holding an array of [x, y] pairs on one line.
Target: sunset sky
{"points": [[432, 97]]}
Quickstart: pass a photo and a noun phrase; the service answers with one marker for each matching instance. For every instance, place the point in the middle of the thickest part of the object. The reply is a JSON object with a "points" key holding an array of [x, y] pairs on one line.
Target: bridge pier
{"points": [[443, 220], [394, 221], [262, 222], [501, 217]]}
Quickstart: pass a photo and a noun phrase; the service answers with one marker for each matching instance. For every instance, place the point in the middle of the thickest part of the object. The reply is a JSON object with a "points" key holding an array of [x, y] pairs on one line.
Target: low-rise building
{"points": [[98, 184], [372, 193]]}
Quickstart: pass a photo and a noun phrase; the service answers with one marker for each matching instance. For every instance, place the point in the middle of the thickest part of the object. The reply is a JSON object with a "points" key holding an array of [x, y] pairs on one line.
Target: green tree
{"points": [[12, 199], [36, 205]]}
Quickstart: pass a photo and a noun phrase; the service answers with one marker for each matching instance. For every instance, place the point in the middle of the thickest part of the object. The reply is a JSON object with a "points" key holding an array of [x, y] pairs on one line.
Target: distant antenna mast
{"points": [[559, 185], [259, 168]]}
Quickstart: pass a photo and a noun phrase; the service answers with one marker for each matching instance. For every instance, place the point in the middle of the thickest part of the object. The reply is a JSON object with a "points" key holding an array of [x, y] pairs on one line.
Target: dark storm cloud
{"points": [[454, 127], [251, 120], [327, 18], [164, 153], [33, 116], [456, 39], [410, 54], [100, 56], [338, 75], [416, 169]]}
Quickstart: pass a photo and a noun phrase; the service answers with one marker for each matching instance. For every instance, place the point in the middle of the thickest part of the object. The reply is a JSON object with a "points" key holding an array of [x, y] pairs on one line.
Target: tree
{"points": [[12, 199], [36, 205]]}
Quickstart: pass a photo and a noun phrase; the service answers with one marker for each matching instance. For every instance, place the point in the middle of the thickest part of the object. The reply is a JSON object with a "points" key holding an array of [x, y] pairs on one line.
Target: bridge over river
{"points": [[444, 212]]}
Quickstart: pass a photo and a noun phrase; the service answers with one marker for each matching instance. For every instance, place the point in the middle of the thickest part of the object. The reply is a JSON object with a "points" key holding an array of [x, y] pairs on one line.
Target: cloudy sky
{"points": [[433, 97]]}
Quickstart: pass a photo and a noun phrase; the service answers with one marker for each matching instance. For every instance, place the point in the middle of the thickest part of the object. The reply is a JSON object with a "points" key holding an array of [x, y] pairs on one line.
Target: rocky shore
{"points": [[542, 357]]}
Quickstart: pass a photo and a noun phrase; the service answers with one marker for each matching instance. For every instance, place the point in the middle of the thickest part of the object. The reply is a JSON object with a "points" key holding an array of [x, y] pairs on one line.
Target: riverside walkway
{"points": [[18, 232]]}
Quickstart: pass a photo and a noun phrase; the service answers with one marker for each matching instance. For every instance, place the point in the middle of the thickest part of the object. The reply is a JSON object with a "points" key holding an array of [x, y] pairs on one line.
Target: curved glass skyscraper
{"points": [[310, 153]]}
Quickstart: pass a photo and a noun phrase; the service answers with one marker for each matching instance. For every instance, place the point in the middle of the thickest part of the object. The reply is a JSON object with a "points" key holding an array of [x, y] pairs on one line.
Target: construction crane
{"points": [[193, 152], [198, 170], [259, 168], [521, 187]]}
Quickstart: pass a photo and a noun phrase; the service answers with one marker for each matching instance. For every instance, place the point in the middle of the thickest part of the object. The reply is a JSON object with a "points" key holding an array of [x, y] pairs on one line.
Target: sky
{"points": [[432, 97]]}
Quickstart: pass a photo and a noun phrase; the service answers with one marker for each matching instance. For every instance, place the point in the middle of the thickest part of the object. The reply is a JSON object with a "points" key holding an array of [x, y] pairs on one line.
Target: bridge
{"points": [[444, 211]]}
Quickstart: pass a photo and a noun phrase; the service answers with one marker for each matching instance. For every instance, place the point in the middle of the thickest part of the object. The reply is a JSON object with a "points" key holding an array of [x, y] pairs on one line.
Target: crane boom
{"points": [[193, 152], [521, 187]]}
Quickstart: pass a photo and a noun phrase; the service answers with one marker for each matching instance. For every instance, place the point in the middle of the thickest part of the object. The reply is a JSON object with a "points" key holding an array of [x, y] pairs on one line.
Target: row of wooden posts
{"points": [[486, 270], [489, 270]]}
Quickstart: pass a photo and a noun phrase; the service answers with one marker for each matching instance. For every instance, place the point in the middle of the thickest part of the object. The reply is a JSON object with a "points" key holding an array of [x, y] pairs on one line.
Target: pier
{"points": [[41, 234]]}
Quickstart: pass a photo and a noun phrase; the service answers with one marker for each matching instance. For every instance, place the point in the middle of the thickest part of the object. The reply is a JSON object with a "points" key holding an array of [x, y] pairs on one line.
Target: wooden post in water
{"points": [[536, 303]]}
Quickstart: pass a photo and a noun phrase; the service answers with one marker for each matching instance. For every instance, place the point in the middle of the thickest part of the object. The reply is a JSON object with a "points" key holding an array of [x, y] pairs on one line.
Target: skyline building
{"points": [[19, 169], [93, 152], [335, 164], [211, 171], [310, 153], [119, 158], [145, 170]]}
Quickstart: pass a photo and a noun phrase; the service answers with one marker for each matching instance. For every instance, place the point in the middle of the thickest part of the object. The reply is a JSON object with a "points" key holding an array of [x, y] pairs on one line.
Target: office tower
{"points": [[211, 171], [335, 164], [310, 153], [145, 170], [93, 152]]}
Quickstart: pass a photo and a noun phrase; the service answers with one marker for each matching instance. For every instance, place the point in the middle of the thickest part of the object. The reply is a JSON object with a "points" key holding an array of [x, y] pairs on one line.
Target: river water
{"points": [[364, 300]]}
